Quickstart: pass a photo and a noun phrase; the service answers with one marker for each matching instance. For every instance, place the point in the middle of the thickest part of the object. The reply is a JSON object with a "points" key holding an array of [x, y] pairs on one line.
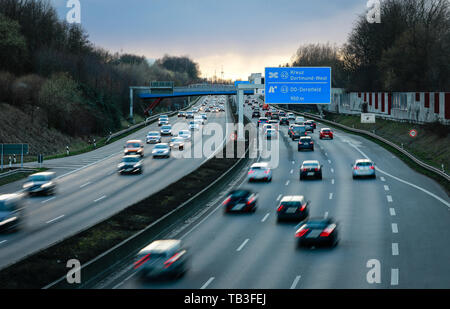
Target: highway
{"points": [[400, 219], [90, 190]]}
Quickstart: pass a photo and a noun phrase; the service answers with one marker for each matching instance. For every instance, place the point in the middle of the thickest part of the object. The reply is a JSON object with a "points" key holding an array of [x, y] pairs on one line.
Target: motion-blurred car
{"points": [[363, 168], [11, 211], [161, 150], [311, 168], [309, 127], [262, 121], [153, 137], [305, 142], [194, 126], [312, 124], [131, 165], [326, 133], [40, 183], [317, 232], [297, 131], [240, 201], [134, 147], [162, 258], [181, 114], [163, 121], [177, 143], [293, 207], [256, 114], [189, 114], [284, 121], [185, 134], [166, 130], [282, 114], [260, 172]]}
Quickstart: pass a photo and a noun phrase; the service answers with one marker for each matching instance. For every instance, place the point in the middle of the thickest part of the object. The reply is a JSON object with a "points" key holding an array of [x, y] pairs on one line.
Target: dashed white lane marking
{"points": [[294, 284], [331, 196], [279, 196], [392, 211], [382, 179], [326, 154], [326, 214], [394, 248], [394, 228], [48, 200], [207, 283], [53, 220], [394, 276], [329, 161], [265, 217], [386, 188], [293, 162], [332, 181], [389, 198], [3, 241], [100, 198], [292, 171], [332, 170], [84, 185], [287, 183], [404, 181], [242, 245]]}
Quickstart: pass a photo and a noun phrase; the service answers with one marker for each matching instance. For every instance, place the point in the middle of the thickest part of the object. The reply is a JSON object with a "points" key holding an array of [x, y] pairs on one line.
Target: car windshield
{"points": [[153, 134], [291, 204], [4, 206], [133, 145], [364, 164], [176, 139], [305, 139], [326, 131], [37, 178], [310, 165], [130, 160], [166, 127], [298, 129], [161, 147], [316, 224], [183, 133], [240, 193]]}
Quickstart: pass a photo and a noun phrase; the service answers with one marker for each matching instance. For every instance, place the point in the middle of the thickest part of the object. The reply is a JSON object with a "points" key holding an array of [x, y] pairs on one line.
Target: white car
{"points": [[166, 130], [290, 116], [185, 134], [193, 126], [177, 143], [161, 150], [260, 172], [363, 168], [153, 137], [199, 119], [299, 120]]}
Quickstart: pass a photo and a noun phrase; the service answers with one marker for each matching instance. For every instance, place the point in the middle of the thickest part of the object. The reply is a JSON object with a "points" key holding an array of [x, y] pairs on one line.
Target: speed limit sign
{"points": [[413, 133]]}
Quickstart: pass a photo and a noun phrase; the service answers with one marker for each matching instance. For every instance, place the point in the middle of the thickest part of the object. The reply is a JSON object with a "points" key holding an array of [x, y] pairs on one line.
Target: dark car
{"points": [[131, 165], [256, 114], [284, 121], [309, 124], [262, 121], [312, 123], [317, 232], [312, 169], [40, 184], [275, 116], [296, 131], [305, 142], [294, 207], [267, 114], [240, 201], [282, 114], [11, 211]]}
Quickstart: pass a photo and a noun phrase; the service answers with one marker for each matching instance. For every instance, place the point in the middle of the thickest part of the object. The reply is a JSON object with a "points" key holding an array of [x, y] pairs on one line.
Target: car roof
{"points": [[311, 162], [44, 174], [134, 141], [326, 129], [260, 164], [363, 160], [161, 246], [292, 198], [153, 132], [165, 144], [132, 156], [4, 197], [305, 137]]}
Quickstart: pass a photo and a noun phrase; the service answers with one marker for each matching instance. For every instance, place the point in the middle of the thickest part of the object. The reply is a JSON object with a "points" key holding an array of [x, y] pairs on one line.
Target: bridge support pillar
{"points": [[240, 108], [131, 103]]}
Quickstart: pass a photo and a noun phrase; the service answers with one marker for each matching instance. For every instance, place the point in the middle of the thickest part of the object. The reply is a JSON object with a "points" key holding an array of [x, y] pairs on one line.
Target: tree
{"points": [[12, 45]]}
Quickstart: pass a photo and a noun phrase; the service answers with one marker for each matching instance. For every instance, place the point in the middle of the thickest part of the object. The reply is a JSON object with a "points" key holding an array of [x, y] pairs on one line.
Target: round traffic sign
{"points": [[413, 133]]}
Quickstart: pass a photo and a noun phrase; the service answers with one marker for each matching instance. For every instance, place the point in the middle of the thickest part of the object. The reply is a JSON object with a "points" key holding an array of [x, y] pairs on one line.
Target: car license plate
{"points": [[310, 174], [291, 210], [314, 234]]}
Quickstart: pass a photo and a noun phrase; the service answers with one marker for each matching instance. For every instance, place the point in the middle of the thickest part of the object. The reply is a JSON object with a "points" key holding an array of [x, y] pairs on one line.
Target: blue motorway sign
{"points": [[298, 85], [236, 83]]}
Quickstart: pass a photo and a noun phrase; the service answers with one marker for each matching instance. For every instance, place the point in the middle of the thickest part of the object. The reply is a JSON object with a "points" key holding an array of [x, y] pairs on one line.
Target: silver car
{"points": [[166, 130], [153, 137], [162, 258], [161, 150], [363, 168], [11, 211], [260, 172], [177, 143], [40, 183], [185, 134]]}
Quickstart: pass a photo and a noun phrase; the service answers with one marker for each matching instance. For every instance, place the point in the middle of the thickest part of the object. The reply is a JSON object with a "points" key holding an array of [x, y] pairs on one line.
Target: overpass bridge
{"points": [[158, 91]]}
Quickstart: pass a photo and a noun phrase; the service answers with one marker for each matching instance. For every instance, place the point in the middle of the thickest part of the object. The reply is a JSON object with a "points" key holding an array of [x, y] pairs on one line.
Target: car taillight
{"points": [[250, 200], [280, 208], [312, 143], [316, 169], [303, 207], [173, 259], [326, 232], [372, 167], [356, 168], [266, 171], [226, 201], [304, 169], [251, 172], [302, 231], [142, 261]]}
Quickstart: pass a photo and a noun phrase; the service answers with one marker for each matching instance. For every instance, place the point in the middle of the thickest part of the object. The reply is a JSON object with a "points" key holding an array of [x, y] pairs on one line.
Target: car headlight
{"points": [[27, 185], [45, 185]]}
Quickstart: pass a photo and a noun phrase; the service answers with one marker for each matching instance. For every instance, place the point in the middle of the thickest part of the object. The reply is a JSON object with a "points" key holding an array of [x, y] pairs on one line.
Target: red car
{"points": [[326, 133], [268, 114]]}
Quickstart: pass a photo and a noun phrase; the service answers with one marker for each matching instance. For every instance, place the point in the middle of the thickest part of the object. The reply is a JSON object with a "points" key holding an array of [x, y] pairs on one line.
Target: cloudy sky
{"points": [[243, 36]]}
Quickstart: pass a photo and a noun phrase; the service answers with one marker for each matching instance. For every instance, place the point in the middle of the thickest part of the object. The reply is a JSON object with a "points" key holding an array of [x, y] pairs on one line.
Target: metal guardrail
{"points": [[379, 138], [21, 170], [146, 121]]}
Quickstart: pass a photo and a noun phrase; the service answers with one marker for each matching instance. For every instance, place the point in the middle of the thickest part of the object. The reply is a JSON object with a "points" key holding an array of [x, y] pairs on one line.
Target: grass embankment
{"points": [[431, 145], [48, 265]]}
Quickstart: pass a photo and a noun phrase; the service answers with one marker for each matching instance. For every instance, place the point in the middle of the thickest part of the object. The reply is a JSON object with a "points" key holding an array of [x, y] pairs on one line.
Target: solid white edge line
{"points": [[294, 284], [207, 283]]}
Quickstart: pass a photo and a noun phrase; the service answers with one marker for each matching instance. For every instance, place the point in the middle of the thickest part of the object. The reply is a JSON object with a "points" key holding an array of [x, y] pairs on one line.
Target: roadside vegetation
{"points": [[63, 88]]}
